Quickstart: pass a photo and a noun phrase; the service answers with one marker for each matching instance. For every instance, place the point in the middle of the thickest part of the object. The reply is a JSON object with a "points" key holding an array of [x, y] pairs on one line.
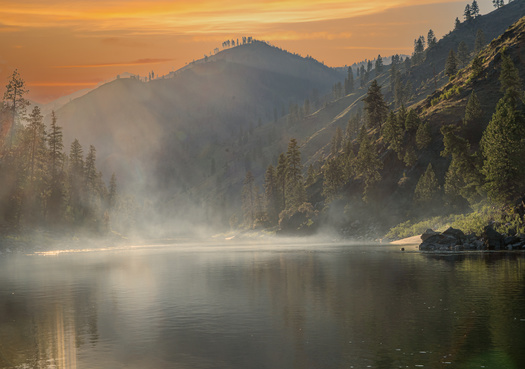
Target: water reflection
{"points": [[301, 306]]}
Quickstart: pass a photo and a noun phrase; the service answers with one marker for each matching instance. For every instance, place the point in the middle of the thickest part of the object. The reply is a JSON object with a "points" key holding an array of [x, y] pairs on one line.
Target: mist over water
{"points": [[239, 305]]}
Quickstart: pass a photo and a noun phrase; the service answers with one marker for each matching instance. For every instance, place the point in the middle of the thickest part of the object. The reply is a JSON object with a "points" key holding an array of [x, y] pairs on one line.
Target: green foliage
{"points": [[451, 65], [337, 141], [427, 187], [375, 106], [379, 65], [480, 41], [333, 179], [477, 68], [463, 54], [452, 91], [509, 77], [410, 157], [503, 152], [393, 133], [423, 136], [431, 39], [368, 164], [295, 191], [412, 121], [473, 111]]}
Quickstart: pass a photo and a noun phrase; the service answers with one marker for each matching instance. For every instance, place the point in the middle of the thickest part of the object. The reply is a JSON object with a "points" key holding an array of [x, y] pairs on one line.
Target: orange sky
{"points": [[62, 46]]}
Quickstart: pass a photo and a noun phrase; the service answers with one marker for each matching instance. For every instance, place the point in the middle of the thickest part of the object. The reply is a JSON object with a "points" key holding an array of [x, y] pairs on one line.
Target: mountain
{"points": [[165, 128]]}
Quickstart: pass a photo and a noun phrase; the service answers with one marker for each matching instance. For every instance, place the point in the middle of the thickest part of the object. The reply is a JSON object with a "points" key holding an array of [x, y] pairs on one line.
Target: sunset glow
{"points": [[60, 46]]}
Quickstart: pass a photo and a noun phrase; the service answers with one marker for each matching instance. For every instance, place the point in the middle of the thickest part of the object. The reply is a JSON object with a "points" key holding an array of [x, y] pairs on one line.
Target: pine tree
{"points": [[431, 39], [349, 82], [282, 168], [423, 136], [56, 202], [16, 103], [368, 165], [473, 111], [503, 152], [333, 179], [463, 54], [337, 141], [509, 76], [412, 121], [295, 191], [474, 9], [467, 13], [271, 195], [497, 3], [393, 133], [379, 65], [427, 187], [451, 65], [457, 23], [410, 157], [477, 67], [249, 200], [375, 106], [480, 41], [113, 192]]}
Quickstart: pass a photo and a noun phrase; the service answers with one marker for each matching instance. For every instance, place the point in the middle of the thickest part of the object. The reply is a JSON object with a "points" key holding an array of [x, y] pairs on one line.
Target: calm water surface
{"points": [[262, 306]]}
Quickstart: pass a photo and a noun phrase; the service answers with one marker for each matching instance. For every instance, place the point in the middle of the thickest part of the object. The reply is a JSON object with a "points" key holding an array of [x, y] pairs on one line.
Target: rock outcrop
{"points": [[455, 240]]}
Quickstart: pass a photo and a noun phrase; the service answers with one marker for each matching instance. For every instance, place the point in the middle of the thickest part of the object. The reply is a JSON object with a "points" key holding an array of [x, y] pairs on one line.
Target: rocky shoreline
{"points": [[455, 240]]}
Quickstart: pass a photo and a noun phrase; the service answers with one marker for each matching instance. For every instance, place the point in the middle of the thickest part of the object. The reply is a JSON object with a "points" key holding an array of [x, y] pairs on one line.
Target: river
{"points": [[234, 305]]}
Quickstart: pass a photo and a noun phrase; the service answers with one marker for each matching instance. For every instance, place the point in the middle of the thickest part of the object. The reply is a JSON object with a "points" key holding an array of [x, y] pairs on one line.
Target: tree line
{"points": [[42, 185]]}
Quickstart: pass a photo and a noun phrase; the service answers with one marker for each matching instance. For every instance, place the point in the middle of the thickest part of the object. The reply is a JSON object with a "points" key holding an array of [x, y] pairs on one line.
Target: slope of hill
{"points": [[165, 127]]}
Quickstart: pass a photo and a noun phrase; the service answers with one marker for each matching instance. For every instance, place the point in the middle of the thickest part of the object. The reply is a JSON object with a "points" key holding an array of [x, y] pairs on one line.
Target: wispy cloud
{"points": [[199, 16], [117, 64]]}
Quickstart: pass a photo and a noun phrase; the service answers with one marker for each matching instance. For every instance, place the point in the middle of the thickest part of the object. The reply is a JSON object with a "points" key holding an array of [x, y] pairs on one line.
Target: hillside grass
{"points": [[505, 221]]}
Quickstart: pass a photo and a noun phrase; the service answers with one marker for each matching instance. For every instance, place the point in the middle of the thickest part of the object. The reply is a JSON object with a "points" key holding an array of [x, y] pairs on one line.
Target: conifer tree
{"points": [[349, 82], [467, 13], [393, 133], [375, 106], [337, 141], [379, 65], [410, 157], [271, 195], [249, 200], [56, 200], [509, 76], [16, 103], [310, 176], [113, 192], [503, 152], [463, 54], [457, 23], [412, 121], [451, 65], [431, 39], [295, 191], [473, 111], [427, 187], [423, 136], [474, 9], [368, 165], [477, 67], [281, 173], [479, 41], [333, 179]]}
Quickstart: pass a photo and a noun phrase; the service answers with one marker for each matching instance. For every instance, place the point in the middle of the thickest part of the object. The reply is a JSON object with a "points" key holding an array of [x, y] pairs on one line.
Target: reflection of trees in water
{"points": [[458, 306]]}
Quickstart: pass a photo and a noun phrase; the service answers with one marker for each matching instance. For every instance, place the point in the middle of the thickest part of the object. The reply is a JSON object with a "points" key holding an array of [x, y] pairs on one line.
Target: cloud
{"points": [[185, 17], [374, 48], [117, 64]]}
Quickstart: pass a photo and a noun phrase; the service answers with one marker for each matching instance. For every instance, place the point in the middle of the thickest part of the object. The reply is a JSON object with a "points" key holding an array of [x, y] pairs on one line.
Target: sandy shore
{"points": [[414, 240]]}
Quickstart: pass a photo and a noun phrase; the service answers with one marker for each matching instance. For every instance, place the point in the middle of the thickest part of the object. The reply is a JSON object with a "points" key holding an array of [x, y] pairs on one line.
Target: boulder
{"points": [[428, 233], [457, 233], [438, 242], [492, 239]]}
